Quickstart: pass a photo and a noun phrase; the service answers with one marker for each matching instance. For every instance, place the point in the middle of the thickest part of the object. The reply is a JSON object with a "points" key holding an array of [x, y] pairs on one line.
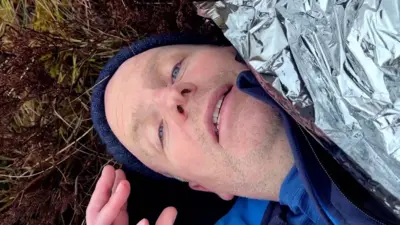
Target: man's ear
{"points": [[198, 187]]}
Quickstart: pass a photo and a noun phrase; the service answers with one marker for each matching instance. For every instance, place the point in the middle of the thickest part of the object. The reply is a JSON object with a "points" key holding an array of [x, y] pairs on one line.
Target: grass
{"points": [[51, 52]]}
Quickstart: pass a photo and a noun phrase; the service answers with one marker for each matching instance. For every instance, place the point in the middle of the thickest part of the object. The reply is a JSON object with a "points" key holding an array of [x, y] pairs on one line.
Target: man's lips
{"points": [[212, 102]]}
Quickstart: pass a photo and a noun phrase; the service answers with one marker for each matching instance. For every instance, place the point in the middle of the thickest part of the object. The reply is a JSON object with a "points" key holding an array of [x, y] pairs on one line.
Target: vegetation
{"points": [[51, 52]]}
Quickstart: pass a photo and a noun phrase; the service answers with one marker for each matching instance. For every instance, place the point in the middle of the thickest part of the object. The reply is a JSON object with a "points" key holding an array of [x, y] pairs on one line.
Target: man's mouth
{"points": [[216, 113], [214, 108]]}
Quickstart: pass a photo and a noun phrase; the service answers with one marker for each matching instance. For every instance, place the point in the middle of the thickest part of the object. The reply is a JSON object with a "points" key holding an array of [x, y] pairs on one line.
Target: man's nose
{"points": [[174, 98]]}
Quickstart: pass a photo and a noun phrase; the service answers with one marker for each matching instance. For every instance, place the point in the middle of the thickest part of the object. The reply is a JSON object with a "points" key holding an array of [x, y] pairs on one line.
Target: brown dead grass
{"points": [[50, 54]]}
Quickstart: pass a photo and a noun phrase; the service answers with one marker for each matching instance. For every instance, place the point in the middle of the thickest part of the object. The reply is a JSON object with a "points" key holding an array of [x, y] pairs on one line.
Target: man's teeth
{"points": [[219, 103], [216, 113]]}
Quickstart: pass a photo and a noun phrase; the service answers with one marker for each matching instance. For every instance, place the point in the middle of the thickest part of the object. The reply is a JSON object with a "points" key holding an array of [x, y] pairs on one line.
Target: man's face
{"points": [[164, 104]]}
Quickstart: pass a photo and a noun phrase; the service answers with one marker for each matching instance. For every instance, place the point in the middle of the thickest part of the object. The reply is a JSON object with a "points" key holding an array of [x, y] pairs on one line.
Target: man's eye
{"points": [[175, 71], [161, 133]]}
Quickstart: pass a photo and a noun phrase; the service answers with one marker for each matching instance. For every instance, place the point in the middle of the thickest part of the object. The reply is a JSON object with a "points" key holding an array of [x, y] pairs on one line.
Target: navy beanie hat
{"points": [[113, 146]]}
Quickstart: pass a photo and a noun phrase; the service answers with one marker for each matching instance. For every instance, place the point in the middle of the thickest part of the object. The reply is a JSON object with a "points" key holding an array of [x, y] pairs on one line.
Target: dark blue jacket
{"points": [[327, 194]]}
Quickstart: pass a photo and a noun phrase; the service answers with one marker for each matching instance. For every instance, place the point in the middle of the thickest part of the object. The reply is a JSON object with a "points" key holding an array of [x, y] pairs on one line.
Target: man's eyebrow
{"points": [[139, 132], [151, 72], [136, 124]]}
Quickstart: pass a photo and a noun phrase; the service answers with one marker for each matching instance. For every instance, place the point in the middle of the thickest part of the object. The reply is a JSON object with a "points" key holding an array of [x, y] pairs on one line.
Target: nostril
{"points": [[185, 91], [180, 109]]}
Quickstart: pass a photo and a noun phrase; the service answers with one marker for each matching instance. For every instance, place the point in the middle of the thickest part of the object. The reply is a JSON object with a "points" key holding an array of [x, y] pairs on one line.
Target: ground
{"points": [[51, 52]]}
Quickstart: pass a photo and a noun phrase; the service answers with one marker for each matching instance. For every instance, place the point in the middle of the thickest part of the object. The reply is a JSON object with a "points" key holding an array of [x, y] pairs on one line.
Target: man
{"points": [[194, 112]]}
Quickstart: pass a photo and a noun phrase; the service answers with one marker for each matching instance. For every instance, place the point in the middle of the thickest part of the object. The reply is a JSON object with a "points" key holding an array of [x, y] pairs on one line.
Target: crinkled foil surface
{"points": [[337, 62]]}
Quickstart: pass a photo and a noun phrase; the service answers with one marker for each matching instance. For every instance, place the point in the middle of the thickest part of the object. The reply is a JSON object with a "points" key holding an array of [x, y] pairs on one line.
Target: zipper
{"points": [[326, 172]]}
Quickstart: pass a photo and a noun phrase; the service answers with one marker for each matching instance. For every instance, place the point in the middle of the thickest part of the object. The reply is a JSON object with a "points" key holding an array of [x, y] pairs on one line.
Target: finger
{"points": [[113, 207], [119, 175], [167, 217], [101, 194], [122, 218], [143, 222]]}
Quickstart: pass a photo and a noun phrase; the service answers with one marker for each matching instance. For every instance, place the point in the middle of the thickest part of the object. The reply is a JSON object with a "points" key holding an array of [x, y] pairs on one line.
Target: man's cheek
{"points": [[189, 160]]}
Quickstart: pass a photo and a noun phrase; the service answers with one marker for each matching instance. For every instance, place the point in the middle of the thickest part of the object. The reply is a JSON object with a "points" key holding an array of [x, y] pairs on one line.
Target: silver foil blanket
{"points": [[334, 65]]}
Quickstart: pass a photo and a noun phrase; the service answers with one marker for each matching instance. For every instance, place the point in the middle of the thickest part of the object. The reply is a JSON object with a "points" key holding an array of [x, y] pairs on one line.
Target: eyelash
{"points": [[178, 65], [161, 127], [161, 131]]}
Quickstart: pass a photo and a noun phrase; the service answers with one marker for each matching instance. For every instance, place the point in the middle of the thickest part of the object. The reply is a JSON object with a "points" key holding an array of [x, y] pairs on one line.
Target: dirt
{"points": [[47, 175]]}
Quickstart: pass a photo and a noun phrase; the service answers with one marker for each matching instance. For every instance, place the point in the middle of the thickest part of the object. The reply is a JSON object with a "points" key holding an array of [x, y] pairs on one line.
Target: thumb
{"points": [[167, 216]]}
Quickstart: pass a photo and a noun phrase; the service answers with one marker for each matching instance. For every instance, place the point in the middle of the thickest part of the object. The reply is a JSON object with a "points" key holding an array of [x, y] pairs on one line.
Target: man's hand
{"points": [[108, 204]]}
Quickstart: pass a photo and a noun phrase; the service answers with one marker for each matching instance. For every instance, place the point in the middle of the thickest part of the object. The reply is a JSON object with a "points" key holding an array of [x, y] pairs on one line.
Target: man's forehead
{"points": [[140, 76], [137, 71]]}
